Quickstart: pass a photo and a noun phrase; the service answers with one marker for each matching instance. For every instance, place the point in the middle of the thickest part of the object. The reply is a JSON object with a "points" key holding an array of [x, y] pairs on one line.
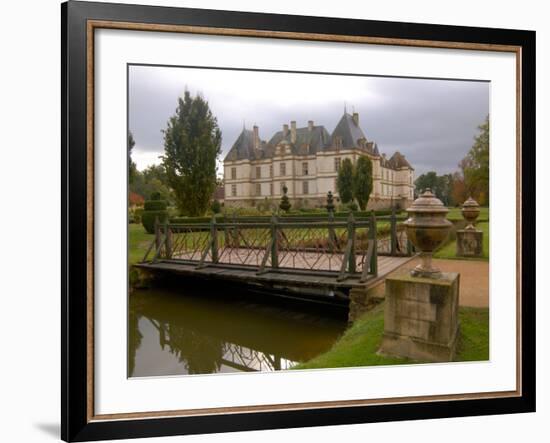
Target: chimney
{"points": [[256, 137], [356, 118], [293, 131], [310, 125], [285, 130]]}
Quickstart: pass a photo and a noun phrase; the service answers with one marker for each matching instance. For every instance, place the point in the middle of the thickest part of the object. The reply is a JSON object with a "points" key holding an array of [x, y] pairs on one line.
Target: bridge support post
{"points": [[168, 239], [274, 243], [393, 232], [351, 238], [374, 257], [214, 239], [157, 234], [332, 240]]}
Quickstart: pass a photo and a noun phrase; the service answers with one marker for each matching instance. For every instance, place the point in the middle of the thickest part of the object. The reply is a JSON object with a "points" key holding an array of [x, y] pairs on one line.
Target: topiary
{"points": [[153, 209], [285, 205]]}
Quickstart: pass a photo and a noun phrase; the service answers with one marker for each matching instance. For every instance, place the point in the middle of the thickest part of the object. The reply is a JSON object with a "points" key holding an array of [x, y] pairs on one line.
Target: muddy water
{"points": [[200, 331]]}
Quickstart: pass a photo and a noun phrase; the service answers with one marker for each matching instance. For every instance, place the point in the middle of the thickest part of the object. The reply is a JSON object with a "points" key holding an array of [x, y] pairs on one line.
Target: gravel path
{"points": [[474, 280]]}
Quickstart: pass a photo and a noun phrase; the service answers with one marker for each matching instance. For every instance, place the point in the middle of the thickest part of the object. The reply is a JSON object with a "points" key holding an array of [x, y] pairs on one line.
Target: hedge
{"points": [[148, 219], [265, 218]]}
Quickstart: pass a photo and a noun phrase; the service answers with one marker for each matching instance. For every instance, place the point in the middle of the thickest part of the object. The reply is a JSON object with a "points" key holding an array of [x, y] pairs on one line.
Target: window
{"points": [[233, 173], [338, 142], [258, 189], [283, 184], [271, 170], [337, 164], [258, 172], [305, 187], [305, 168], [234, 190], [271, 189], [282, 168]]}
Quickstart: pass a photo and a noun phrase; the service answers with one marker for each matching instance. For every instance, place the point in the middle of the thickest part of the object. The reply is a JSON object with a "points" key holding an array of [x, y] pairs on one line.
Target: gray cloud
{"points": [[432, 122]]}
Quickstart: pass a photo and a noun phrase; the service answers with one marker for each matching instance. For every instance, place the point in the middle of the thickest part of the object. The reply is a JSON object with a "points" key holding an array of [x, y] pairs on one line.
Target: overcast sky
{"points": [[431, 122]]}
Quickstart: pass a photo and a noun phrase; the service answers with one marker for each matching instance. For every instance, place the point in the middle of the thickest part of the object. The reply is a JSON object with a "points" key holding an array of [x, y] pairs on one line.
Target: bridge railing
{"points": [[337, 247]]}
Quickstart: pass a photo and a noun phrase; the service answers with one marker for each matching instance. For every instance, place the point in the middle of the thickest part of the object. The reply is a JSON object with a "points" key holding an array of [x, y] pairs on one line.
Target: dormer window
{"points": [[338, 142]]}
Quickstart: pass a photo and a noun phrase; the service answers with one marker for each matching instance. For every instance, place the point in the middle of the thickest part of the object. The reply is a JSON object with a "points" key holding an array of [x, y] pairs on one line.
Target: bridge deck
{"points": [[282, 276]]}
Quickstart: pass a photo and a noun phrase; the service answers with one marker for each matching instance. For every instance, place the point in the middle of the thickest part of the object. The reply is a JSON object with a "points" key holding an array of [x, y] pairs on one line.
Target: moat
{"points": [[205, 330]]}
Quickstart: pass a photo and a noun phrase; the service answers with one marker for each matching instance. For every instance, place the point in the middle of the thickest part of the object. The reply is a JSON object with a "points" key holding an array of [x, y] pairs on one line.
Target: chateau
{"points": [[306, 160]]}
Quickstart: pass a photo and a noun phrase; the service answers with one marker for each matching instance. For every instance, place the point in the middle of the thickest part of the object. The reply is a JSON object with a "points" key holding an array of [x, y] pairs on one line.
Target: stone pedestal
{"points": [[421, 317], [469, 243]]}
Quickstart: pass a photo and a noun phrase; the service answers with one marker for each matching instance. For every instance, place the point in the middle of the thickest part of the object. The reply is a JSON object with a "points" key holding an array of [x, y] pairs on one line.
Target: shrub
{"points": [[152, 209], [138, 213], [216, 207], [148, 219]]}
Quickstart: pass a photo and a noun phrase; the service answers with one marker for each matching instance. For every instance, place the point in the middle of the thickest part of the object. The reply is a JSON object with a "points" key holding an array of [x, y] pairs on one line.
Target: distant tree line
{"points": [[471, 179]]}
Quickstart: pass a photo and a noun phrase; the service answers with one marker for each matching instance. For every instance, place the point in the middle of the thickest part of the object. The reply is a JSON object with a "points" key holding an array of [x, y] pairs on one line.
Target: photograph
{"points": [[287, 221]]}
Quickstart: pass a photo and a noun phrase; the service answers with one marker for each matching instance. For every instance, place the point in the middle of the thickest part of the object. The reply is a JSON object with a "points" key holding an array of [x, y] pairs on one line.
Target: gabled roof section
{"points": [[243, 148], [398, 161], [350, 133], [308, 141]]}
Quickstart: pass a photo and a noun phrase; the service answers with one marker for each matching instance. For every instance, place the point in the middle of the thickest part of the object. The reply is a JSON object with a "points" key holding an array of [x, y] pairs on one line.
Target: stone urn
{"points": [[427, 227], [470, 212]]}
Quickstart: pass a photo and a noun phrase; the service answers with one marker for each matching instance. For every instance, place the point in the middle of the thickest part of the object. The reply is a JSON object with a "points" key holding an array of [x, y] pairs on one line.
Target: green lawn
{"points": [[359, 344], [455, 214], [138, 242], [449, 250]]}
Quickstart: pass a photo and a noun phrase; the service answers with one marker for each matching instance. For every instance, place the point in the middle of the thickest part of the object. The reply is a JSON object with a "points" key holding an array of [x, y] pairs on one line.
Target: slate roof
{"points": [[317, 139], [312, 141], [398, 161], [349, 132], [243, 148]]}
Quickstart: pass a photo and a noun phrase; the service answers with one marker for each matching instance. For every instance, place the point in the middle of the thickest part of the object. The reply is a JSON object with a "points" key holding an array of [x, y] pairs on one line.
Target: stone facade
{"points": [[307, 161], [421, 317]]}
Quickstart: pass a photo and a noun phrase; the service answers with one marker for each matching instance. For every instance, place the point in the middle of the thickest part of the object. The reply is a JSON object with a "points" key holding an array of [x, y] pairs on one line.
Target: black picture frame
{"points": [[76, 422]]}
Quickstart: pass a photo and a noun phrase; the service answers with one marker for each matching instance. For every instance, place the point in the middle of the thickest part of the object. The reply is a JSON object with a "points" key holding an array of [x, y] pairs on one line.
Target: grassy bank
{"points": [[138, 242], [359, 344]]}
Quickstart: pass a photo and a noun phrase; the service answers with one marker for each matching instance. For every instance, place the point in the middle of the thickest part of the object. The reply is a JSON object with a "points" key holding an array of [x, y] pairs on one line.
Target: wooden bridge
{"points": [[325, 255]]}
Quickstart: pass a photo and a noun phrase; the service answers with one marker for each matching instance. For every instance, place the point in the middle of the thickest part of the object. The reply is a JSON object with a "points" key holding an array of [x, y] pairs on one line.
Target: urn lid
{"points": [[428, 203], [470, 203]]}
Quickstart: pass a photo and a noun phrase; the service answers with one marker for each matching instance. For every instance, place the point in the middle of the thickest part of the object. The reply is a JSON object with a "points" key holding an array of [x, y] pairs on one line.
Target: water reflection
{"points": [[171, 333]]}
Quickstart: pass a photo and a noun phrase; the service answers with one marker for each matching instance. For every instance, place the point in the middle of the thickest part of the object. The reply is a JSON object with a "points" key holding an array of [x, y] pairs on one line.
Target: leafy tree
{"points": [[441, 185], [458, 190], [145, 183], [192, 143], [156, 172], [344, 182], [132, 169], [362, 181], [475, 166], [425, 181]]}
